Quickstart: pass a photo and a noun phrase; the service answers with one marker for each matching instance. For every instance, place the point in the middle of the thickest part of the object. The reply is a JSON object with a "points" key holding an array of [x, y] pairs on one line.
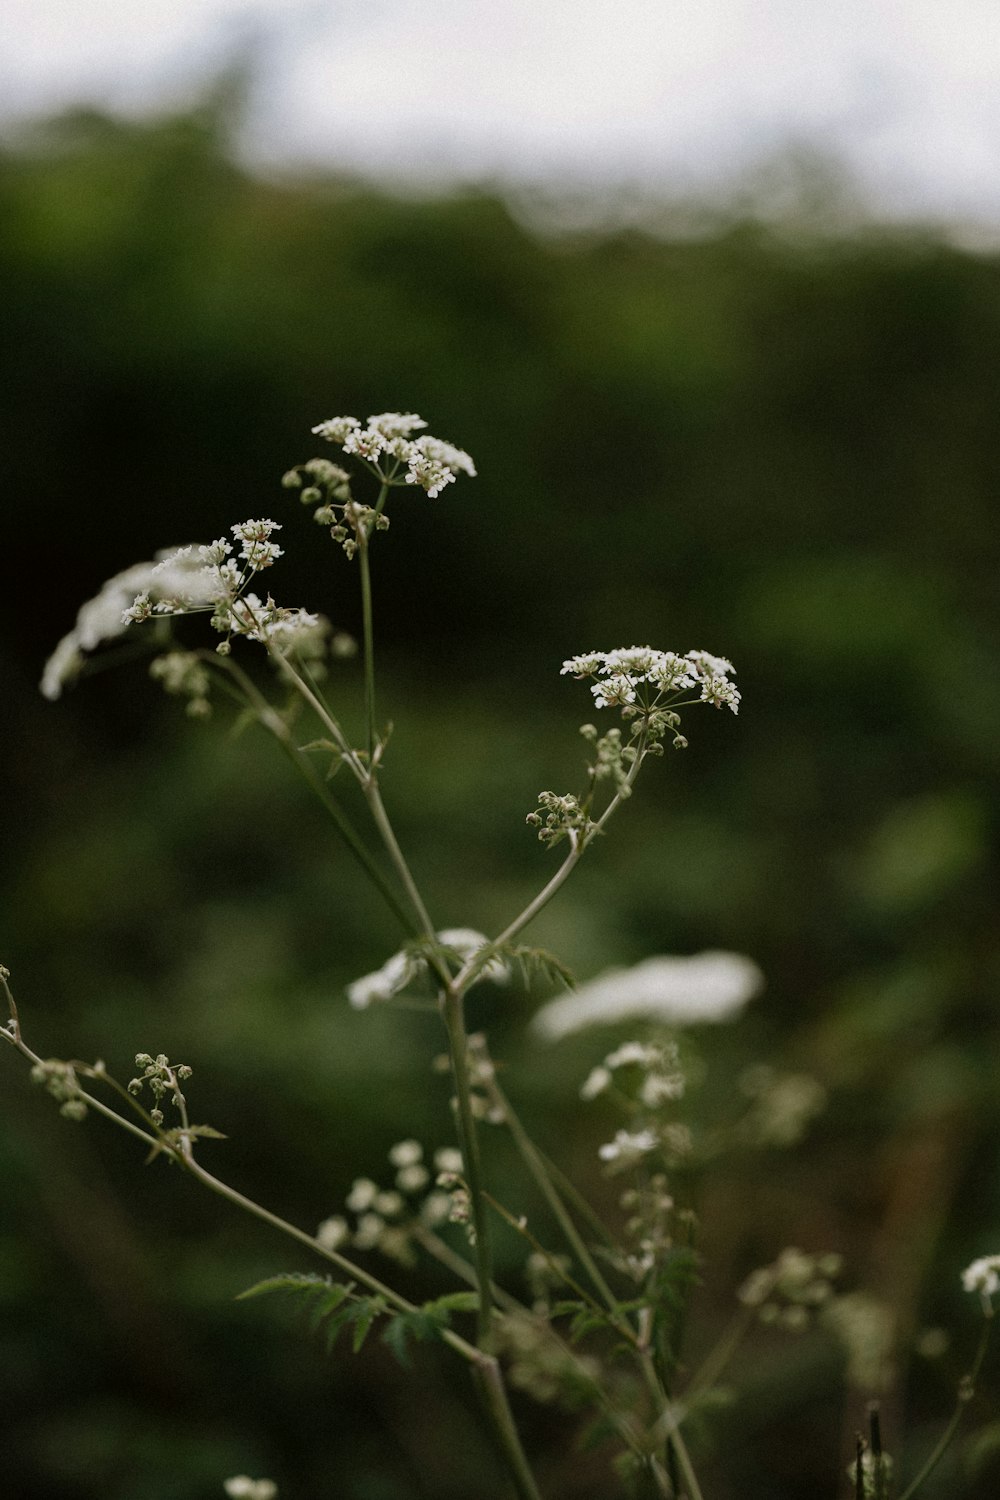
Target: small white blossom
{"points": [[174, 577], [371, 1227], [362, 1195], [595, 1083], [366, 442], [388, 1203], [412, 1179], [983, 1276], [333, 1232], [436, 1208], [242, 1487], [438, 451], [336, 429], [614, 692], [428, 473], [628, 1147], [448, 1159], [678, 991], [395, 424], [258, 550], [406, 1153], [215, 553], [394, 975]]}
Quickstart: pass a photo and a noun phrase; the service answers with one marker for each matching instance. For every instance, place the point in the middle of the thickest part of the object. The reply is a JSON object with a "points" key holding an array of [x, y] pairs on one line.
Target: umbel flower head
{"points": [[387, 445], [707, 987], [195, 579]]}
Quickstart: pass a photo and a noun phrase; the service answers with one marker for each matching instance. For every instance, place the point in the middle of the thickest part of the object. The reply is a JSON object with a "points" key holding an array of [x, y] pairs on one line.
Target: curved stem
{"points": [[578, 843], [382, 823], [275, 724], [453, 1010], [965, 1392]]}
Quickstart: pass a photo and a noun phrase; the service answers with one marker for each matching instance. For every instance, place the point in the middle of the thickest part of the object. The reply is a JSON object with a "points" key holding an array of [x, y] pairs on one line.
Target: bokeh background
{"points": [[757, 417]]}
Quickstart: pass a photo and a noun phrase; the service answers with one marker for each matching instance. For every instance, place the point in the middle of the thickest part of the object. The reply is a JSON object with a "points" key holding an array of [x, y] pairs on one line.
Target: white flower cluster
{"points": [[387, 444], [242, 1487], [983, 1276], [385, 1218], [190, 580], [707, 987], [658, 1064], [624, 676], [652, 1079], [399, 971], [795, 1285]]}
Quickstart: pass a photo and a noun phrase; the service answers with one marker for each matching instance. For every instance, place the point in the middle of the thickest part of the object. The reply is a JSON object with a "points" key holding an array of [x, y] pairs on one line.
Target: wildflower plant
{"points": [[597, 1321]]}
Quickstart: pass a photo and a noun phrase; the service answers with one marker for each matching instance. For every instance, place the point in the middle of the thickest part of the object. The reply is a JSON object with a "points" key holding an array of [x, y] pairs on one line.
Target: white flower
{"points": [[258, 550], [614, 692], [436, 1208], [242, 1487], [370, 1229], [175, 581], [402, 968], [394, 975], [388, 1203], [406, 1153], [586, 665], [412, 1179], [448, 1159], [677, 991], [362, 1195], [628, 1147], [720, 692], [428, 473], [395, 424], [336, 429], [366, 442], [596, 1081], [332, 1233], [466, 942], [441, 452], [983, 1276], [707, 665]]}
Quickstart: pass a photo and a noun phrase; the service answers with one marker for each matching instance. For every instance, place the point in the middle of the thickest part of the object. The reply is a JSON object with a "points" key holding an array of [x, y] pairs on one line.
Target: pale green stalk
{"points": [[965, 1392], [578, 844], [367, 626], [535, 1163]]}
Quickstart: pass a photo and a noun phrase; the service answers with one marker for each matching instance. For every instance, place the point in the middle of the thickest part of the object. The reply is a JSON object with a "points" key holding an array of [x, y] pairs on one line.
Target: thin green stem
{"points": [[275, 724], [965, 1393], [535, 1163], [367, 626], [382, 823], [578, 843], [453, 1009]]}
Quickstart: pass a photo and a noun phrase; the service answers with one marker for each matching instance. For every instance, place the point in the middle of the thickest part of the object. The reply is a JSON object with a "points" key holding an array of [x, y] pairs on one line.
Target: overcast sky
{"points": [[672, 94]]}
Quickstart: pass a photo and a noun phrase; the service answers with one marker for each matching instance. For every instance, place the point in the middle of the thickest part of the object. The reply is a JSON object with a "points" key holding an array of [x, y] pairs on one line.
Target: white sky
{"points": [[673, 94]]}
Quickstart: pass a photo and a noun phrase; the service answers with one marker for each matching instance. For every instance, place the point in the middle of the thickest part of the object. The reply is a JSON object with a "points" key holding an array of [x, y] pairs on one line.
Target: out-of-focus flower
{"points": [[713, 986]]}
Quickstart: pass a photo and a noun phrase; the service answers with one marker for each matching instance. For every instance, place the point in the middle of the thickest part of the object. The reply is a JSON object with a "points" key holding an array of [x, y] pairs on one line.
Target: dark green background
{"points": [[770, 443]]}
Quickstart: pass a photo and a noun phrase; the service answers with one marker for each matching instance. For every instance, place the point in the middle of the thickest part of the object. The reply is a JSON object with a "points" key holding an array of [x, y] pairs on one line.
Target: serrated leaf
{"points": [[538, 962], [441, 1308], [292, 1281], [363, 1315]]}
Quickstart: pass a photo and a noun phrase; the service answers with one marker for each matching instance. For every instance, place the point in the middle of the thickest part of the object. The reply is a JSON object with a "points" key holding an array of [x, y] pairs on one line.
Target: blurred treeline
{"points": [[777, 446]]}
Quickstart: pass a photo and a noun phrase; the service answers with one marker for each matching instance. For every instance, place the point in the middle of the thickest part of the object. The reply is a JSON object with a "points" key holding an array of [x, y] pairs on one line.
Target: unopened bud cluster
{"points": [[161, 1078]]}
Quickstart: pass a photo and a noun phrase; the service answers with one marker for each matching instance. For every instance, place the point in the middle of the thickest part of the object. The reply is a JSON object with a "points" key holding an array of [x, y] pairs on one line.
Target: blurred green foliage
{"points": [[774, 446]]}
